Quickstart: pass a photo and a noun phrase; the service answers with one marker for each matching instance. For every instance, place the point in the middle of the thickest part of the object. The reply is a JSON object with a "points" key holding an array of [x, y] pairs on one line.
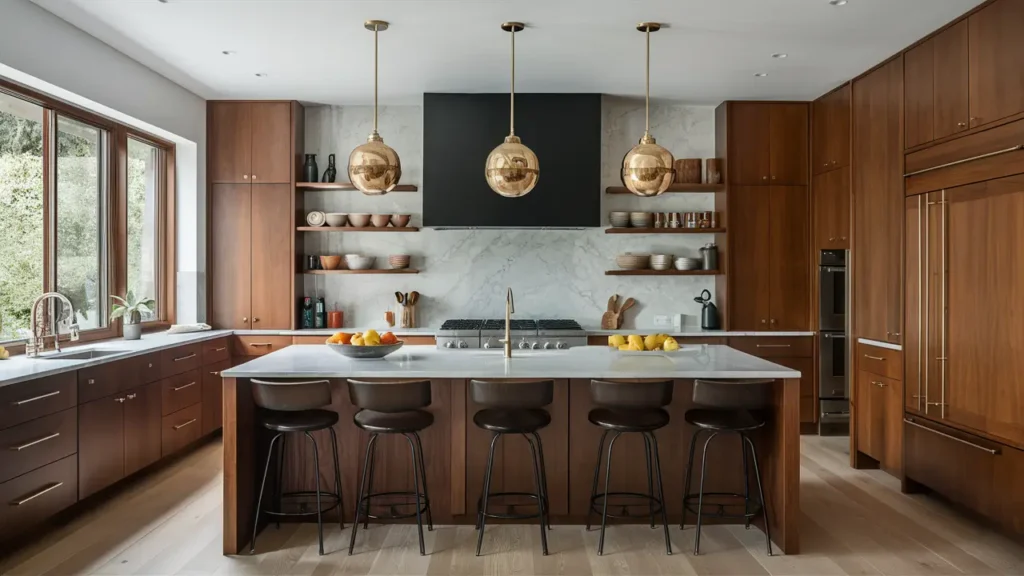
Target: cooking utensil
{"points": [[709, 256], [620, 316], [709, 315], [609, 319], [400, 297]]}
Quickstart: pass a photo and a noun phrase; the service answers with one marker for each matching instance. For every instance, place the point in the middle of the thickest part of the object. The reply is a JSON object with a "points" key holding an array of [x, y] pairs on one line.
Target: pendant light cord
{"points": [[512, 93], [647, 86], [374, 78]]}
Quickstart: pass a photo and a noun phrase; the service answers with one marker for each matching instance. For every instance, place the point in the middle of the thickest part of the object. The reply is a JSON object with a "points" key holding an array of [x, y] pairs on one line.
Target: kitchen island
{"points": [[455, 450]]}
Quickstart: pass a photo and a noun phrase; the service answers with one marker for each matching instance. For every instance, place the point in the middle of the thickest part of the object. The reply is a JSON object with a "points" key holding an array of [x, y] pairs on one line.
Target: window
{"points": [[21, 213], [85, 210], [144, 231]]}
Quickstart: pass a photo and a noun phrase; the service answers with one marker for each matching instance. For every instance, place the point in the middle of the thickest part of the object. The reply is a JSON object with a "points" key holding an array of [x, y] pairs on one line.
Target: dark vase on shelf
{"points": [[309, 169], [332, 172]]}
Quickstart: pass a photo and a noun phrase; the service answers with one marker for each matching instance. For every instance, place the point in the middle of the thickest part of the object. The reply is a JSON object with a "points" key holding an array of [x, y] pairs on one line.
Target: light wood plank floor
{"points": [[854, 522]]}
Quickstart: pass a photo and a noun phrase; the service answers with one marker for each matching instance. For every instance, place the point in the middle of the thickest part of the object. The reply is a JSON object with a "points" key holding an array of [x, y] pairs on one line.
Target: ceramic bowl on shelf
{"points": [[336, 219], [359, 262], [400, 220], [641, 219], [380, 220], [316, 218], [683, 263], [330, 262], [661, 261], [399, 261], [358, 220], [630, 261], [619, 219]]}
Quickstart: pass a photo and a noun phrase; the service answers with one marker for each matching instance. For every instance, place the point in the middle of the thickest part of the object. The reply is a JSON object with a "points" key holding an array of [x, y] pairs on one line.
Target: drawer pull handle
{"points": [[774, 345], [91, 381], [37, 494], [132, 396], [995, 452], [843, 413], [215, 373], [27, 400], [189, 385], [220, 349], [879, 358], [34, 442], [957, 162], [192, 355], [258, 344], [879, 384], [180, 426]]}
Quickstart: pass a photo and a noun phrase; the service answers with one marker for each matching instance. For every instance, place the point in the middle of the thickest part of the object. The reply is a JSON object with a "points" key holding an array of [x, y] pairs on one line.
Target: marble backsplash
{"points": [[465, 273]]}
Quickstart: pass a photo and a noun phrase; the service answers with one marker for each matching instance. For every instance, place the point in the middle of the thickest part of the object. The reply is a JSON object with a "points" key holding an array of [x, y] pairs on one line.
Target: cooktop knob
{"points": [[463, 344], [524, 345], [548, 345], [561, 345], [534, 345], [449, 344], [488, 344]]}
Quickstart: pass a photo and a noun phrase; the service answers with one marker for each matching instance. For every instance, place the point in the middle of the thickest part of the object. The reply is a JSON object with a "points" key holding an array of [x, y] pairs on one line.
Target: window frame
{"points": [[115, 204]]}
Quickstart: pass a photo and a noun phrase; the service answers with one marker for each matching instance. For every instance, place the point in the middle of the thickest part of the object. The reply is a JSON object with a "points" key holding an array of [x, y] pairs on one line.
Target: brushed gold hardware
{"points": [[259, 344], [971, 159], [193, 355], [245, 318], [189, 385], [879, 358], [374, 167], [945, 317], [245, 176], [961, 124], [180, 426], [253, 176], [37, 494], [132, 396], [150, 365], [220, 349], [764, 177], [34, 398], [879, 384], [773, 321], [774, 345], [773, 177], [921, 364], [647, 169], [215, 373], [255, 319], [90, 381], [119, 400], [994, 452], [831, 239], [34, 442], [763, 321]]}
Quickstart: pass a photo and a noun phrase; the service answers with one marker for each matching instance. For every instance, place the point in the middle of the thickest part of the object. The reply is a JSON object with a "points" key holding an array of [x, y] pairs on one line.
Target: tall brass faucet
{"points": [[510, 308]]}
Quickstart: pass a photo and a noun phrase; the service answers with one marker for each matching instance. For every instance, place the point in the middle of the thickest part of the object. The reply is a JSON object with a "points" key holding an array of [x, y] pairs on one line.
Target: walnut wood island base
{"points": [[455, 450]]}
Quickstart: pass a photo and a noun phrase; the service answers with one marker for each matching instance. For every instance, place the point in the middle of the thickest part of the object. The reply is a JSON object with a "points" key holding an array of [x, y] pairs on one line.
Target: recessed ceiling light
{"points": [[227, 52], [261, 74], [837, 2], [761, 74], [780, 55]]}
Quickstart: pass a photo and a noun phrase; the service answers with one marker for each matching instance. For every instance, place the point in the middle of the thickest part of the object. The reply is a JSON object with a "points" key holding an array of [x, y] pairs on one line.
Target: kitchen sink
{"points": [[81, 354]]}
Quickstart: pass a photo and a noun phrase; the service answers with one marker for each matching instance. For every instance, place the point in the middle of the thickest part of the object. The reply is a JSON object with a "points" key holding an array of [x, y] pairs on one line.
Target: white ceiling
{"points": [[318, 51]]}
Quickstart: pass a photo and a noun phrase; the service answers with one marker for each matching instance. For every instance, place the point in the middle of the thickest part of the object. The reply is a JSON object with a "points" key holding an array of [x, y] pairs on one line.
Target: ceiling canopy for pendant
{"points": [[374, 168], [647, 168]]}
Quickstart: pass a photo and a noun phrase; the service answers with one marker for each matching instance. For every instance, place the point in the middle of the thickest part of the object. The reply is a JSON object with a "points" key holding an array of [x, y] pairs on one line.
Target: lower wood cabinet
{"points": [[37, 495], [141, 427], [879, 421], [213, 396], [181, 429], [796, 352], [38, 442]]}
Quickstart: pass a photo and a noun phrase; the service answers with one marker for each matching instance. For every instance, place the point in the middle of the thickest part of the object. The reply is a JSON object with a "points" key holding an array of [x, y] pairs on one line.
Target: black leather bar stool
{"points": [[625, 407], [392, 408], [290, 407], [733, 407], [514, 408]]}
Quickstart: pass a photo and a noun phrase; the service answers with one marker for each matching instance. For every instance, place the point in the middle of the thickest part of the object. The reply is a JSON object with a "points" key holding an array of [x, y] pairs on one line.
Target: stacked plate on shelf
{"points": [[661, 261], [683, 263]]}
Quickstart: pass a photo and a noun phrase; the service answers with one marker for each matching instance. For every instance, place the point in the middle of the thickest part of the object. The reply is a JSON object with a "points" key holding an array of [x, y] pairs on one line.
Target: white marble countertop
{"points": [[880, 344], [317, 361], [328, 331], [688, 331], [19, 368]]}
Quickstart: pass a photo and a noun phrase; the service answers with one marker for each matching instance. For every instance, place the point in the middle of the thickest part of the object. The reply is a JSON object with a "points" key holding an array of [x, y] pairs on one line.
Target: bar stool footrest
{"points": [[753, 509], [365, 504], [510, 515], [596, 504], [304, 494]]}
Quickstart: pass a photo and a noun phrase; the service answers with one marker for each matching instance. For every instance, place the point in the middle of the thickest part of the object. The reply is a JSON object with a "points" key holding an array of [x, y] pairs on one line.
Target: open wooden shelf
{"points": [[354, 229], [371, 271], [649, 272], [348, 186], [664, 230], [692, 188]]}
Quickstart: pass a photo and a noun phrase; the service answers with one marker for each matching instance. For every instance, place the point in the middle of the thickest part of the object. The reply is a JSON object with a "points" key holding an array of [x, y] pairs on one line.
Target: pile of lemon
{"points": [[637, 343]]}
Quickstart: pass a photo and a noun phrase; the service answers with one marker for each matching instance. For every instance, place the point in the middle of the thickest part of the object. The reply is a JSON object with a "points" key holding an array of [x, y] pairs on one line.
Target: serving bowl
{"points": [[641, 219], [630, 261], [661, 261], [400, 220], [336, 219], [365, 352], [358, 220], [330, 262], [359, 262], [398, 261], [683, 263], [380, 220], [619, 219]]}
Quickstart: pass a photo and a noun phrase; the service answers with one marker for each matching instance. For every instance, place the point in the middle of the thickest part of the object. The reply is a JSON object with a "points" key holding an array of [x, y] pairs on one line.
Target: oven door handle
{"points": [[836, 336], [833, 269]]}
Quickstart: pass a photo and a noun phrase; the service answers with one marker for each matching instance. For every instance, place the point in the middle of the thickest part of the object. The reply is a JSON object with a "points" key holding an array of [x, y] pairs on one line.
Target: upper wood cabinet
{"points": [[250, 142], [996, 52], [830, 126], [769, 246], [767, 142], [877, 177], [832, 209], [936, 86], [230, 251]]}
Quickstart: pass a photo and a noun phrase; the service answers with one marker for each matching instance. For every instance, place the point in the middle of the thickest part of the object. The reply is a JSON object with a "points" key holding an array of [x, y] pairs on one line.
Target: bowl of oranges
{"points": [[368, 345]]}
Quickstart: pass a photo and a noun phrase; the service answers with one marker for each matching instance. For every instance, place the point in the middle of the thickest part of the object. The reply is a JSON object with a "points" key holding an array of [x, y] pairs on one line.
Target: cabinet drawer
{"points": [[215, 351], [775, 346], [213, 396], [259, 345], [28, 400], [181, 429], [106, 379], [880, 361], [181, 391], [148, 368], [34, 497], [33, 444], [181, 359]]}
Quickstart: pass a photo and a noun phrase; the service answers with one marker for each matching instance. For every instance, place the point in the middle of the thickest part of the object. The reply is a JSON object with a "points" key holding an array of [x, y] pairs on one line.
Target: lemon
{"points": [[4, 354], [651, 342], [662, 338], [634, 347], [357, 341], [616, 340], [670, 344], [635, 340], [624, 347]]}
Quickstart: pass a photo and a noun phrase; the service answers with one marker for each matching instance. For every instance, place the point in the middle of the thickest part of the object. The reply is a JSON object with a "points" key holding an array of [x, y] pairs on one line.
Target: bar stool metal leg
{"points": [[361, 493], [279, 486], [541, 499], [423, 474], [319, 506], [337, 480], [700, 497], [369, 485], [597, 473], [661, 491], [650, 477], [689, 475], [607, 483], [760, 492], [416, 490], [539, 460], [482, 507], [259, 500]]}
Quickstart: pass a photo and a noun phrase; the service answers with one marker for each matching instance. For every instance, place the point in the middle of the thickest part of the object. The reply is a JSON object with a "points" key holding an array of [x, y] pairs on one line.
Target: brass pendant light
{"points": [[512, 169], [374, 168], [647, 168]]}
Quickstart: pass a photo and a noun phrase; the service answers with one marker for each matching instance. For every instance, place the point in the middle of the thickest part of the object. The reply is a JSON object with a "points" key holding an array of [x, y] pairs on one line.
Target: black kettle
{"points": [[709, 315]]}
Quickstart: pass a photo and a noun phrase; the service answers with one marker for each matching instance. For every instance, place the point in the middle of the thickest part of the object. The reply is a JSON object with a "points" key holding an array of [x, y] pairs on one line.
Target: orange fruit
{"points": [[388, 338]]}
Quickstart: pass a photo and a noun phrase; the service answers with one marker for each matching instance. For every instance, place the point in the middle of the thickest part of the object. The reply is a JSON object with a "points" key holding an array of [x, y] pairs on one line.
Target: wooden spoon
{"points": [[609, 319], [620, 315]]}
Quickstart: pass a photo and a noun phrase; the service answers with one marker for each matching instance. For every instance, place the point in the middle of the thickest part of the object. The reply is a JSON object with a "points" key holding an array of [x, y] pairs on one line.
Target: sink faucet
{"points": [[37, 340], [510, 308]]}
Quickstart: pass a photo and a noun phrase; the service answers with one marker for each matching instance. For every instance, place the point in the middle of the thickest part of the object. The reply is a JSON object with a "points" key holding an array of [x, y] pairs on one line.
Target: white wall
{"points": [[554, 273], [42, 51]]}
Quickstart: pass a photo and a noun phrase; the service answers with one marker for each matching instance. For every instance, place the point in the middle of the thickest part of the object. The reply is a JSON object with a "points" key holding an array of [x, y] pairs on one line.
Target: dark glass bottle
{"points": [[332, 171], [320, 314], [307, 312], [309, 170]]}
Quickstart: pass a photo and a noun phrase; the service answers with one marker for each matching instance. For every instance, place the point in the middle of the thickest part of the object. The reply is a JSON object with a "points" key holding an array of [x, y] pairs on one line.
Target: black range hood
{"points": [[460, 130]]}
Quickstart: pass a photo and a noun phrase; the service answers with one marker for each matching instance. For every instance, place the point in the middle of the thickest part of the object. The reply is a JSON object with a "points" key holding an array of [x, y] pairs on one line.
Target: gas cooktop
{"points": [[526, 334]]}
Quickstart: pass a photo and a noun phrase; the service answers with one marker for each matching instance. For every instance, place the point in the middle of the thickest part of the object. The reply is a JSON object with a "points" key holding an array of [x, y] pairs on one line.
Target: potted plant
{"points": [[131, 311]]}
